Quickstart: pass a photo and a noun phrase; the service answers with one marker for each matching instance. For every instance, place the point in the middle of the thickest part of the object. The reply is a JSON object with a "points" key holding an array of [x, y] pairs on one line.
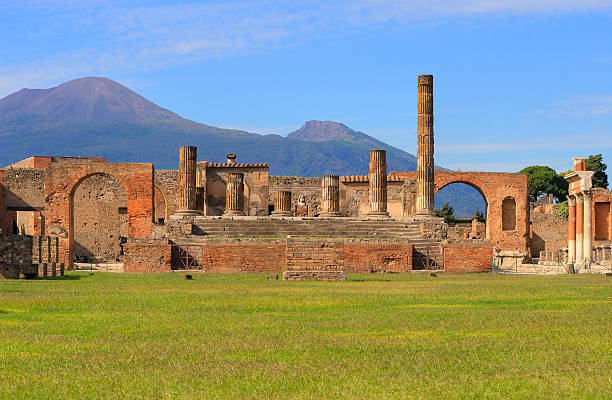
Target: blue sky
{"points": [[516, 82]]}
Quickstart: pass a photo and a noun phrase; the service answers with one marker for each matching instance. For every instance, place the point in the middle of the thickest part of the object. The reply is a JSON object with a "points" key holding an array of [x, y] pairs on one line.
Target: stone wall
{"points": [[166, 185], [29, 256], [468, 256], [100, 218], [147, 255], [213, 178], [308, 188], [549, 233]]}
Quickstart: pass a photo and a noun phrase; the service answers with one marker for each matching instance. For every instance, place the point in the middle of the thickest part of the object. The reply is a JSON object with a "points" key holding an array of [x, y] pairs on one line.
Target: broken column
{"points": [[330, 196], [579, 228], [587, 235], [282, 203], [377, 177], [425, 147], [571, 233], [234, 194], [187, 180]]}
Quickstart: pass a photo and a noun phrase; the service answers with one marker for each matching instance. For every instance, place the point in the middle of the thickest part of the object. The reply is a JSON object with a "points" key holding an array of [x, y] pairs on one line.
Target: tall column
{"points": [[579, 228], [588, 226], [377, 176], [282, 203], [187, 180], [330, 196], [234, 194], [425, 147], [571, 232]]}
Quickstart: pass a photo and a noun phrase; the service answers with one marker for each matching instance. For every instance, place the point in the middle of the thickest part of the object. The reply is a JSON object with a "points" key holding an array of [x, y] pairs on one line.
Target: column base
{"points": [[233, 213], [329, 214], [281, 214], [187, 213]]}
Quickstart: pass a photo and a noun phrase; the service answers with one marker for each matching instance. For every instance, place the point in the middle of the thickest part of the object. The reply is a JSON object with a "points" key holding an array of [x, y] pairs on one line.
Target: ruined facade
{"points": [[235, 217]]}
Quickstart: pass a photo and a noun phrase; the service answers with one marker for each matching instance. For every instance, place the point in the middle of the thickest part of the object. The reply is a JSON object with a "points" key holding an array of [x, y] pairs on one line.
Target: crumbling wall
{"points": [[100, 218], [468, 256], [256, 193], [549, 233], [25, 188], [309, 189], [147, 255], [166, 184], [29, 256]]}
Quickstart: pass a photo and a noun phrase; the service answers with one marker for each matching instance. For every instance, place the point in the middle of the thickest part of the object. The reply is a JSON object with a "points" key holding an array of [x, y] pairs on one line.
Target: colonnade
{"points": [[580, 206]]}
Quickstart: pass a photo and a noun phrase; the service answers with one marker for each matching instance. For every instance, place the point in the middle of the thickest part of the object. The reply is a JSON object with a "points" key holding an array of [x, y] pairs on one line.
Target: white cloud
{"points": [[144, 37]]}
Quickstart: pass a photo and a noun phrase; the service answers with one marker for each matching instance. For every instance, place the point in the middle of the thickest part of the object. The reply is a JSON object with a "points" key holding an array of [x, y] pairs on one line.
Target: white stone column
{"points": [[579, 229], [588, 227], [571, 234]]}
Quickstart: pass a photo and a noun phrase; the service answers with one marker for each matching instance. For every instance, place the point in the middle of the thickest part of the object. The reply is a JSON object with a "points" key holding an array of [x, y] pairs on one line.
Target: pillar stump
{"points": [[234, 194], [377, 177], [425, 147], [282, 204], [187, 181], [330, 196]]}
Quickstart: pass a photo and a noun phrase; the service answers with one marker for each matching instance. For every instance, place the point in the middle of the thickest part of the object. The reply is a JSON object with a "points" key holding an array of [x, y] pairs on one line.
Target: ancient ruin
{"points": [[61, 213]]}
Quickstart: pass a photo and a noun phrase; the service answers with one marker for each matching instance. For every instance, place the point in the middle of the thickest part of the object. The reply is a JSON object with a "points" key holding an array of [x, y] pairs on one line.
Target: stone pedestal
{"points": [[377, 176], [330, 196], [234, 194], [187, 181], [282, 204], [425, 147]]}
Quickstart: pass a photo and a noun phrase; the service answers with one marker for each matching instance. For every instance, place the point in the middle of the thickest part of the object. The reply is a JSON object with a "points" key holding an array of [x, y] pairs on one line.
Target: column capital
{"points": [[571, 200], [579, 198], [587, 194]]}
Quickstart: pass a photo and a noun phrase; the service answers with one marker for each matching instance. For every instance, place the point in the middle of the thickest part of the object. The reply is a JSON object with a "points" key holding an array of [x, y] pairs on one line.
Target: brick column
{"points": [[425, 147], [234, 194], [377, 176], [588, 226], [282, 203], [571, 231], [187, 180], [579, 229], [330, 196]]}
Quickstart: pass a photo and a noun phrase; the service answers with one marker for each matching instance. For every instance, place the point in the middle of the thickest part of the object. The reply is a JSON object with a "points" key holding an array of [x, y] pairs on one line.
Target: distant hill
{"points": [[99, 117]]}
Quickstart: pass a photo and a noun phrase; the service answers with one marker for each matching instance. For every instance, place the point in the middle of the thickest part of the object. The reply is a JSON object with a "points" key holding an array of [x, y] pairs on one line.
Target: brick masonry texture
{"points": [[549, 233], [147, 256], [469, 256], [494, 187], [244, 256]]}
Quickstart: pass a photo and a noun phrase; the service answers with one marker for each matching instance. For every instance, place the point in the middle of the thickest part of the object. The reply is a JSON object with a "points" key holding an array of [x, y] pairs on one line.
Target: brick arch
{"points": [[494, 186], [61, 181], [164, 195]]}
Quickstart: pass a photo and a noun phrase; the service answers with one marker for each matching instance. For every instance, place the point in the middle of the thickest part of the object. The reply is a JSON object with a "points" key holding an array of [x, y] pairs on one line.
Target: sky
{"points": [[516, 82]]}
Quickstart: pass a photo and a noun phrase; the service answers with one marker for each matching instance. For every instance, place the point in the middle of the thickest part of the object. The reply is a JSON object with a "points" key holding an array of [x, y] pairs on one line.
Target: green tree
{"points": [[479, 215], [563, 210], [447, 212], [595, 163], [544, 180]]}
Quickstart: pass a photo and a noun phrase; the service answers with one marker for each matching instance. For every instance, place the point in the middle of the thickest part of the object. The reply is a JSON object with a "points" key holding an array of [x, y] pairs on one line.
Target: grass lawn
{"points": [[238, 336]]}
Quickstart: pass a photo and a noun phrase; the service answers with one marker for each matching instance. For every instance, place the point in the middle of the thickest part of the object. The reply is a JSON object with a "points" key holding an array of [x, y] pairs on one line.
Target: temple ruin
{"points": [[59, 213]]}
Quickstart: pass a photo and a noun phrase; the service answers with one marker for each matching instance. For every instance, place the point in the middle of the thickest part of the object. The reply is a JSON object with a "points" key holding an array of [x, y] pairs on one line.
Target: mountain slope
{"points": [[99, 117]]}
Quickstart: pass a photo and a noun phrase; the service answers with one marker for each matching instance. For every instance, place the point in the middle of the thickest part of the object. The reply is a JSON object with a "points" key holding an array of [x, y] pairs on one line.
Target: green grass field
{"points": [[240, 336]]}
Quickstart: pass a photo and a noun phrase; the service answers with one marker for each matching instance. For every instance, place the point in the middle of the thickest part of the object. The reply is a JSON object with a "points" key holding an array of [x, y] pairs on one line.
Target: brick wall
{"points": [[315, 254], [147, 256], [364, 256], [244, 256], [468, 256]]}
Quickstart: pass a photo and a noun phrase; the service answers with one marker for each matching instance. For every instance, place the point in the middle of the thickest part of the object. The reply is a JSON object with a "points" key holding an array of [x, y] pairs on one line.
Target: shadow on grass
{"points": [[62, 278]]}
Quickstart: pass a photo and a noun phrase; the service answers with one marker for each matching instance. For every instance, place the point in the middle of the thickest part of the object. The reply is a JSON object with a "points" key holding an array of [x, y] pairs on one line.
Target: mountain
{"points": [[96, 116]]}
